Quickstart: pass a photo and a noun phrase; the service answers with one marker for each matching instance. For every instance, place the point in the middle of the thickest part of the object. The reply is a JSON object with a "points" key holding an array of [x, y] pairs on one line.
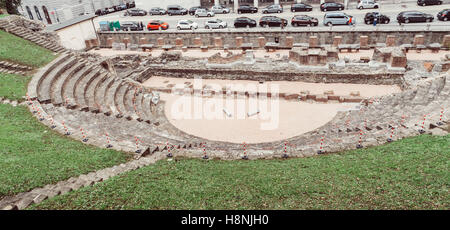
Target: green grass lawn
{"points": [[31, 155], [18, 50], [12, 86], [409, 174]]}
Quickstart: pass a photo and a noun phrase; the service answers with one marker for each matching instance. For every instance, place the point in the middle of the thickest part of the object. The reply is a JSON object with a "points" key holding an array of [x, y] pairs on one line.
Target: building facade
{"points": [[57, 11]]}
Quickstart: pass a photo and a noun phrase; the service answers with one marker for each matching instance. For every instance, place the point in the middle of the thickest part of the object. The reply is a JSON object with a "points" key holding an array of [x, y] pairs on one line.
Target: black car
{"points": [[247, 9], [157, 11], [135, 12], [300, 7], [131, 5], [193, 9], [101, 12], [176, 10], [428, 2], [272, 21], [331, 6], [304, 20], [444, 15], [131, 26], [381, 18], [244, 22], [414, 16]]}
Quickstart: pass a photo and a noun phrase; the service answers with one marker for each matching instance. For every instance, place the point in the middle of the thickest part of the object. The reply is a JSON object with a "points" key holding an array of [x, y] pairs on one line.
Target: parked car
{"points": [[247, 9], [444, 15], [304, 20], [176, 10], [220, 10], [339, 18], [131, 5], [429, 2], [272, 21], [121, 7], [414, 16], [131, 26], [215, 24], [203, 13], [157, 11], [244, 22], [111, 10], [157, 25], [195, 8], [186, 25], [368, 4], [381, 18], [135, 12], [101, 12], [331, 6], [300, 7], [272, 9]]}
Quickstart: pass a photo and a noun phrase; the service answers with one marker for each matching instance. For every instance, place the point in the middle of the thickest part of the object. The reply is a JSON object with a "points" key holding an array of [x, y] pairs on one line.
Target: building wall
{"points": [[62, 10], [73, 37], [148, 4]]}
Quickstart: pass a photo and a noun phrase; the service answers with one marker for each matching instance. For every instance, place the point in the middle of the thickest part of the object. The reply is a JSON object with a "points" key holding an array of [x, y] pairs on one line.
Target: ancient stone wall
{"points": [[191, 39]]}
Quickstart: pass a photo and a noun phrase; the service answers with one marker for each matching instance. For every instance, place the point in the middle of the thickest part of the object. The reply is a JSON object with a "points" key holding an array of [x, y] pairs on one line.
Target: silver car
{"points": [[220, 10], [203, 13], [338, 18], [272, 9], [215, 24]]}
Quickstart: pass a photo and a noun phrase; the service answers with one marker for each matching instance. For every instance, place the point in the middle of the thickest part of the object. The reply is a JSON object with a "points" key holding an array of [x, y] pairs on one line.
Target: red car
{"points": [[157, 24]]}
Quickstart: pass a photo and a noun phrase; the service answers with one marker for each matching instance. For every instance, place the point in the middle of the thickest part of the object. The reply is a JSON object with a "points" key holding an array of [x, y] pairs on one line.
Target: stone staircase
{"points": [[12, 68], [31, 36]]}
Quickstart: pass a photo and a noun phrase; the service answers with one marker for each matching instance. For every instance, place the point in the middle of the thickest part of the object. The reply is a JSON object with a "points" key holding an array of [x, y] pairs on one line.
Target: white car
{"points": [[203, 13], [368, 4], [220, 10], [186, 25], [215, 24]]}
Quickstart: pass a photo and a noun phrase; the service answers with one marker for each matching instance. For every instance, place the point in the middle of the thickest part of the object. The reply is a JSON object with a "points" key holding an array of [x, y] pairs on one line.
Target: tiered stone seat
{"points": [[81, 87], [110, 98], [90, 92], [101, 94], [57, 89], [69, 86], [44, 88]]}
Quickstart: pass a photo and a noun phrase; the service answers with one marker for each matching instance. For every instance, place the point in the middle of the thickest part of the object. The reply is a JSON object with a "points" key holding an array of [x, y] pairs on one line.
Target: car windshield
{"points": [[218, 21], [189, 21]]}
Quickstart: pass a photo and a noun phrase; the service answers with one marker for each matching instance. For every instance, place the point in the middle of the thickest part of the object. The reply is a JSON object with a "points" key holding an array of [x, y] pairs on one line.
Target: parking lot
{"points": [[390, 10]]}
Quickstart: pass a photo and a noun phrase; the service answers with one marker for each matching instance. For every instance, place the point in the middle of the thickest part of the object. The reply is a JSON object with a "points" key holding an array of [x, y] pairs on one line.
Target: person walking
{"points": [[375, 20]]}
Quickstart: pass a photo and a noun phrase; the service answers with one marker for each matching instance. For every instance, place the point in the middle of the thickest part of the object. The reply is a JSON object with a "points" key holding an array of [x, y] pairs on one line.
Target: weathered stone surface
{"points": [[419, 40]]}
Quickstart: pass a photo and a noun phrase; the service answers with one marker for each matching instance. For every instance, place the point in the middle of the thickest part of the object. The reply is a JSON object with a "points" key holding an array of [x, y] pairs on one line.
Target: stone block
{"points": [[293, 96], [390, 40], [87, 43], [428, 66], [355, 94], [311, 97], [239, 41], [419, 40], [289, 41], [398, 61], [179, 42], [126, 41], [261, 42], [313, 41], [363, 41], [143, 41], [446, 41], [328, 92], [322, 98], [337, 41], [218, 42], [334, 97], [198, 42], [204, 48], [184, 49], [160, 41], [353, 99], [109, 42]]}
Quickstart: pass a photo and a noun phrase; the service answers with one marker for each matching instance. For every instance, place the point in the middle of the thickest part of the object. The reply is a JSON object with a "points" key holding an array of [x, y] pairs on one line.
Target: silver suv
{"points": [[338, 18], [273, 9]]}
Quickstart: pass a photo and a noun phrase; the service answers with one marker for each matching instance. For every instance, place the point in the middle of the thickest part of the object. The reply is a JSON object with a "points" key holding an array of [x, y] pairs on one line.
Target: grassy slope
{"points": [[18, 50], [408, 174], [31, 155], [12, 86]]}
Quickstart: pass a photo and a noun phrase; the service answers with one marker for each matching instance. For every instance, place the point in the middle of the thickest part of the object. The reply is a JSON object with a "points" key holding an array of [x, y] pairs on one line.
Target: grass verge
{"points": [[407, 174], [32, 156], [12, 86], [18, 50]]}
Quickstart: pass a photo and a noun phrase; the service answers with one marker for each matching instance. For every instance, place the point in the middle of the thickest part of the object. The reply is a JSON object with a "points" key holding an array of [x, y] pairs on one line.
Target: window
{"points": [[38, 15], [29, 13]]}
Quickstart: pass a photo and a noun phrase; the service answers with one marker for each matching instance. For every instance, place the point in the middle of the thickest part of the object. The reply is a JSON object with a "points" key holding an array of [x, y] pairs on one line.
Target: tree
{"points": [[10, 6]]}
